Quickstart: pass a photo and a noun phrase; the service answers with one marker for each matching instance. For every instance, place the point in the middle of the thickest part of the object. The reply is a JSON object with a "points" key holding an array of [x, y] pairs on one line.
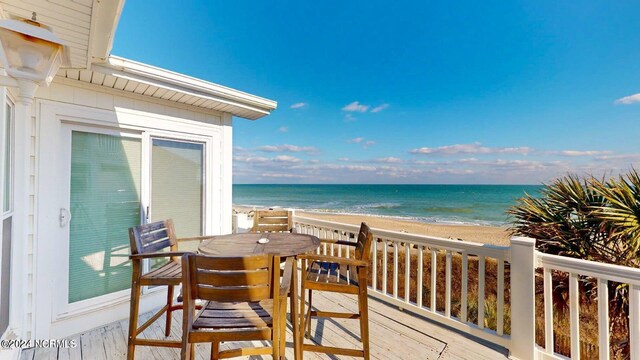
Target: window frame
{"points": [[9, 156]]}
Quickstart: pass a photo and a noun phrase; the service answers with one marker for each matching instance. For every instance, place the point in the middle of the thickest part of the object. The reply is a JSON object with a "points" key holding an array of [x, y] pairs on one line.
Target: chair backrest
{"points": [[152, 237], [231, 279], [363, 247], [272, 221]]}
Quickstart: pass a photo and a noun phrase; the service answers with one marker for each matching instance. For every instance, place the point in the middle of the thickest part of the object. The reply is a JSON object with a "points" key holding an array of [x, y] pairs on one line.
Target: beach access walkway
{"points": [[395, 334]]}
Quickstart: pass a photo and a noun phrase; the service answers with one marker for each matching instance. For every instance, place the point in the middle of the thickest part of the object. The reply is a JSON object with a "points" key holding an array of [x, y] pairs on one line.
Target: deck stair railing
{"points": [[448, 281]]}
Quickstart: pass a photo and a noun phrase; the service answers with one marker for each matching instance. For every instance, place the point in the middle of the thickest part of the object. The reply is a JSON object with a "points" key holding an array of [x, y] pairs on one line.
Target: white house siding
{"points": [[93, 96]]}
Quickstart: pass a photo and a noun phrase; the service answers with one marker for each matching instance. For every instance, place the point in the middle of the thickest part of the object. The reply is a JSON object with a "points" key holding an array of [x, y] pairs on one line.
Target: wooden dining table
{"points": [[283, 244]]}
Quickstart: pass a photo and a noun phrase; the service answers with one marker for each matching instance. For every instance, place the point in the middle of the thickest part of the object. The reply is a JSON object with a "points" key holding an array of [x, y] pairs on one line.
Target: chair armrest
{"points": [[338, 242], [334, 259], [156, 255], [285, 283], [196, 238]]}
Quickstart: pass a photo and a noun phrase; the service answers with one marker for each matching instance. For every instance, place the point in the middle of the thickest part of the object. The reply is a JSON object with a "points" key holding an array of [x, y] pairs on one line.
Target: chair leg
{"points": [[215, 350], [301, 318], [167, 327], [308, 316], [283, 327], [186, 352], [295, 315], [363, 305], [275, 335], [133, 311]]}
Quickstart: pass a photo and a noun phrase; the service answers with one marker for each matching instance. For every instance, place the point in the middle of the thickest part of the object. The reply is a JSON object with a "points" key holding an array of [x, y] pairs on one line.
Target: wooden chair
{"points": [[272, 221], [245, 301], [341, 275], [150, 242]]}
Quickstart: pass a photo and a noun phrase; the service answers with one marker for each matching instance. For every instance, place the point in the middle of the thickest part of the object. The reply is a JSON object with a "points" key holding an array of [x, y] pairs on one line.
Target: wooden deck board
{"points": [[395, 334]]}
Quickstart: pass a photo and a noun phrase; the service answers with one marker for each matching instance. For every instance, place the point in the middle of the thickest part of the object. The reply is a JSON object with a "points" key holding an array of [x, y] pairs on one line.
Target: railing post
{"points": [[234, 224], [634, 321], [523, 340], [240, 223]]}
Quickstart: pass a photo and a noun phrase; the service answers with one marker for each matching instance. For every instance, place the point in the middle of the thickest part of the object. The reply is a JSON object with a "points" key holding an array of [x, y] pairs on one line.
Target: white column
{"points": [[226, 178], [19, 238], [523, 298]]}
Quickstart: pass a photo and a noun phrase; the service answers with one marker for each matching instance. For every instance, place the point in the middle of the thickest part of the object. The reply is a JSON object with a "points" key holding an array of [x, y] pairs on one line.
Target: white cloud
{"points": [[389, 160], [238, 150], [356, 107], [379, 108], [341, 167], [360, 140], [349, 118], [450, 171], [360, 168], [368, 143], [343, 159], [283, 175], [619, 157], [582, 152], [289, 148], [283, 129], [468, 160], [628, 100], [287, 159], [422, 162], [298, 105], [474, 148], [250, 159]]}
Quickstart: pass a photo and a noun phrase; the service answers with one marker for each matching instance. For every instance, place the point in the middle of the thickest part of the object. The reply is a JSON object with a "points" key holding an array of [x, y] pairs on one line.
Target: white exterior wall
{"points": [[64, 91]]}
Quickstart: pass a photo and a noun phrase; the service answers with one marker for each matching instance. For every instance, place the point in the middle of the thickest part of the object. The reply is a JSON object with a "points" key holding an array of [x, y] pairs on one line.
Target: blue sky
{"points": [[414, 92]]}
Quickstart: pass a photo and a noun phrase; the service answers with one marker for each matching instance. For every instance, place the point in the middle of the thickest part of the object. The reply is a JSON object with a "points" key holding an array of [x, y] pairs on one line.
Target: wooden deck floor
{"points": [[394, 335]]}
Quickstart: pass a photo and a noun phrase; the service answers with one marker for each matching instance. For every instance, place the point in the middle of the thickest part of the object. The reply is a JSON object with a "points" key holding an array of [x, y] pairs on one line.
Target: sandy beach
{"points": [[481, 234]]}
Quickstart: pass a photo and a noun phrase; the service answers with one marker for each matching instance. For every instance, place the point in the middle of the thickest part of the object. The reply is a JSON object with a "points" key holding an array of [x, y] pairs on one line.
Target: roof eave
{"points": [[106, 15], [133, 70]]}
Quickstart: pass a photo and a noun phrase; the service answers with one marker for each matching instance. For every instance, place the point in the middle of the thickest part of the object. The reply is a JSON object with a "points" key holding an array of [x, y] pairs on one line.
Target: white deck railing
{"points": [[387, 277], [603, 274], [404, 283]]}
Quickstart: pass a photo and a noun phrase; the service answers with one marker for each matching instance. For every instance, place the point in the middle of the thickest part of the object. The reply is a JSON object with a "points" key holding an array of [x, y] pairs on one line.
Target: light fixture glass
{"points": [[29, 50]]}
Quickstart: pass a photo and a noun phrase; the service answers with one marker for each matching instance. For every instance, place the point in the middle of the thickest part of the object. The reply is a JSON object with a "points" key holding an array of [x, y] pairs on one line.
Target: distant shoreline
{"points": [[495, 235], [423, 220]]}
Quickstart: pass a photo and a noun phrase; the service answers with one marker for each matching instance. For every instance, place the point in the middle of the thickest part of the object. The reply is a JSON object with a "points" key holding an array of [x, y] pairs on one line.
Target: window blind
{"points": [[105, 202]]}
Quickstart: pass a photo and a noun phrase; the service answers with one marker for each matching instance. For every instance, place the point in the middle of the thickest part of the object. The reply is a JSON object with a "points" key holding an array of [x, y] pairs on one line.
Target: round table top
{"points": [[283, 244]]}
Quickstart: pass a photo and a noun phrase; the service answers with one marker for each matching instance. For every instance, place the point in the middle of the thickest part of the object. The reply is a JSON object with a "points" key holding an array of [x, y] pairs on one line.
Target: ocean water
{"points": [[452, 204]]}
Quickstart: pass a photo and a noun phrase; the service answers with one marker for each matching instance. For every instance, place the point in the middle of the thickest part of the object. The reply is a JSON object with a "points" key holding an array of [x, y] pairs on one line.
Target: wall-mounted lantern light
{"points": [[31, 55]]}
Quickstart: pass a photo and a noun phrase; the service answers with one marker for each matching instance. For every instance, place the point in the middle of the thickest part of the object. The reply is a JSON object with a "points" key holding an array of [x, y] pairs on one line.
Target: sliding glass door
{"points": [[104, 202], [116, 181], [177, 184]]}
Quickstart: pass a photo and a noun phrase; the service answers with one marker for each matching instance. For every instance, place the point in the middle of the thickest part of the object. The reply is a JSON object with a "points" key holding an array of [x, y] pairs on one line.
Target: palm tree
{"points": [[621, 211]]}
